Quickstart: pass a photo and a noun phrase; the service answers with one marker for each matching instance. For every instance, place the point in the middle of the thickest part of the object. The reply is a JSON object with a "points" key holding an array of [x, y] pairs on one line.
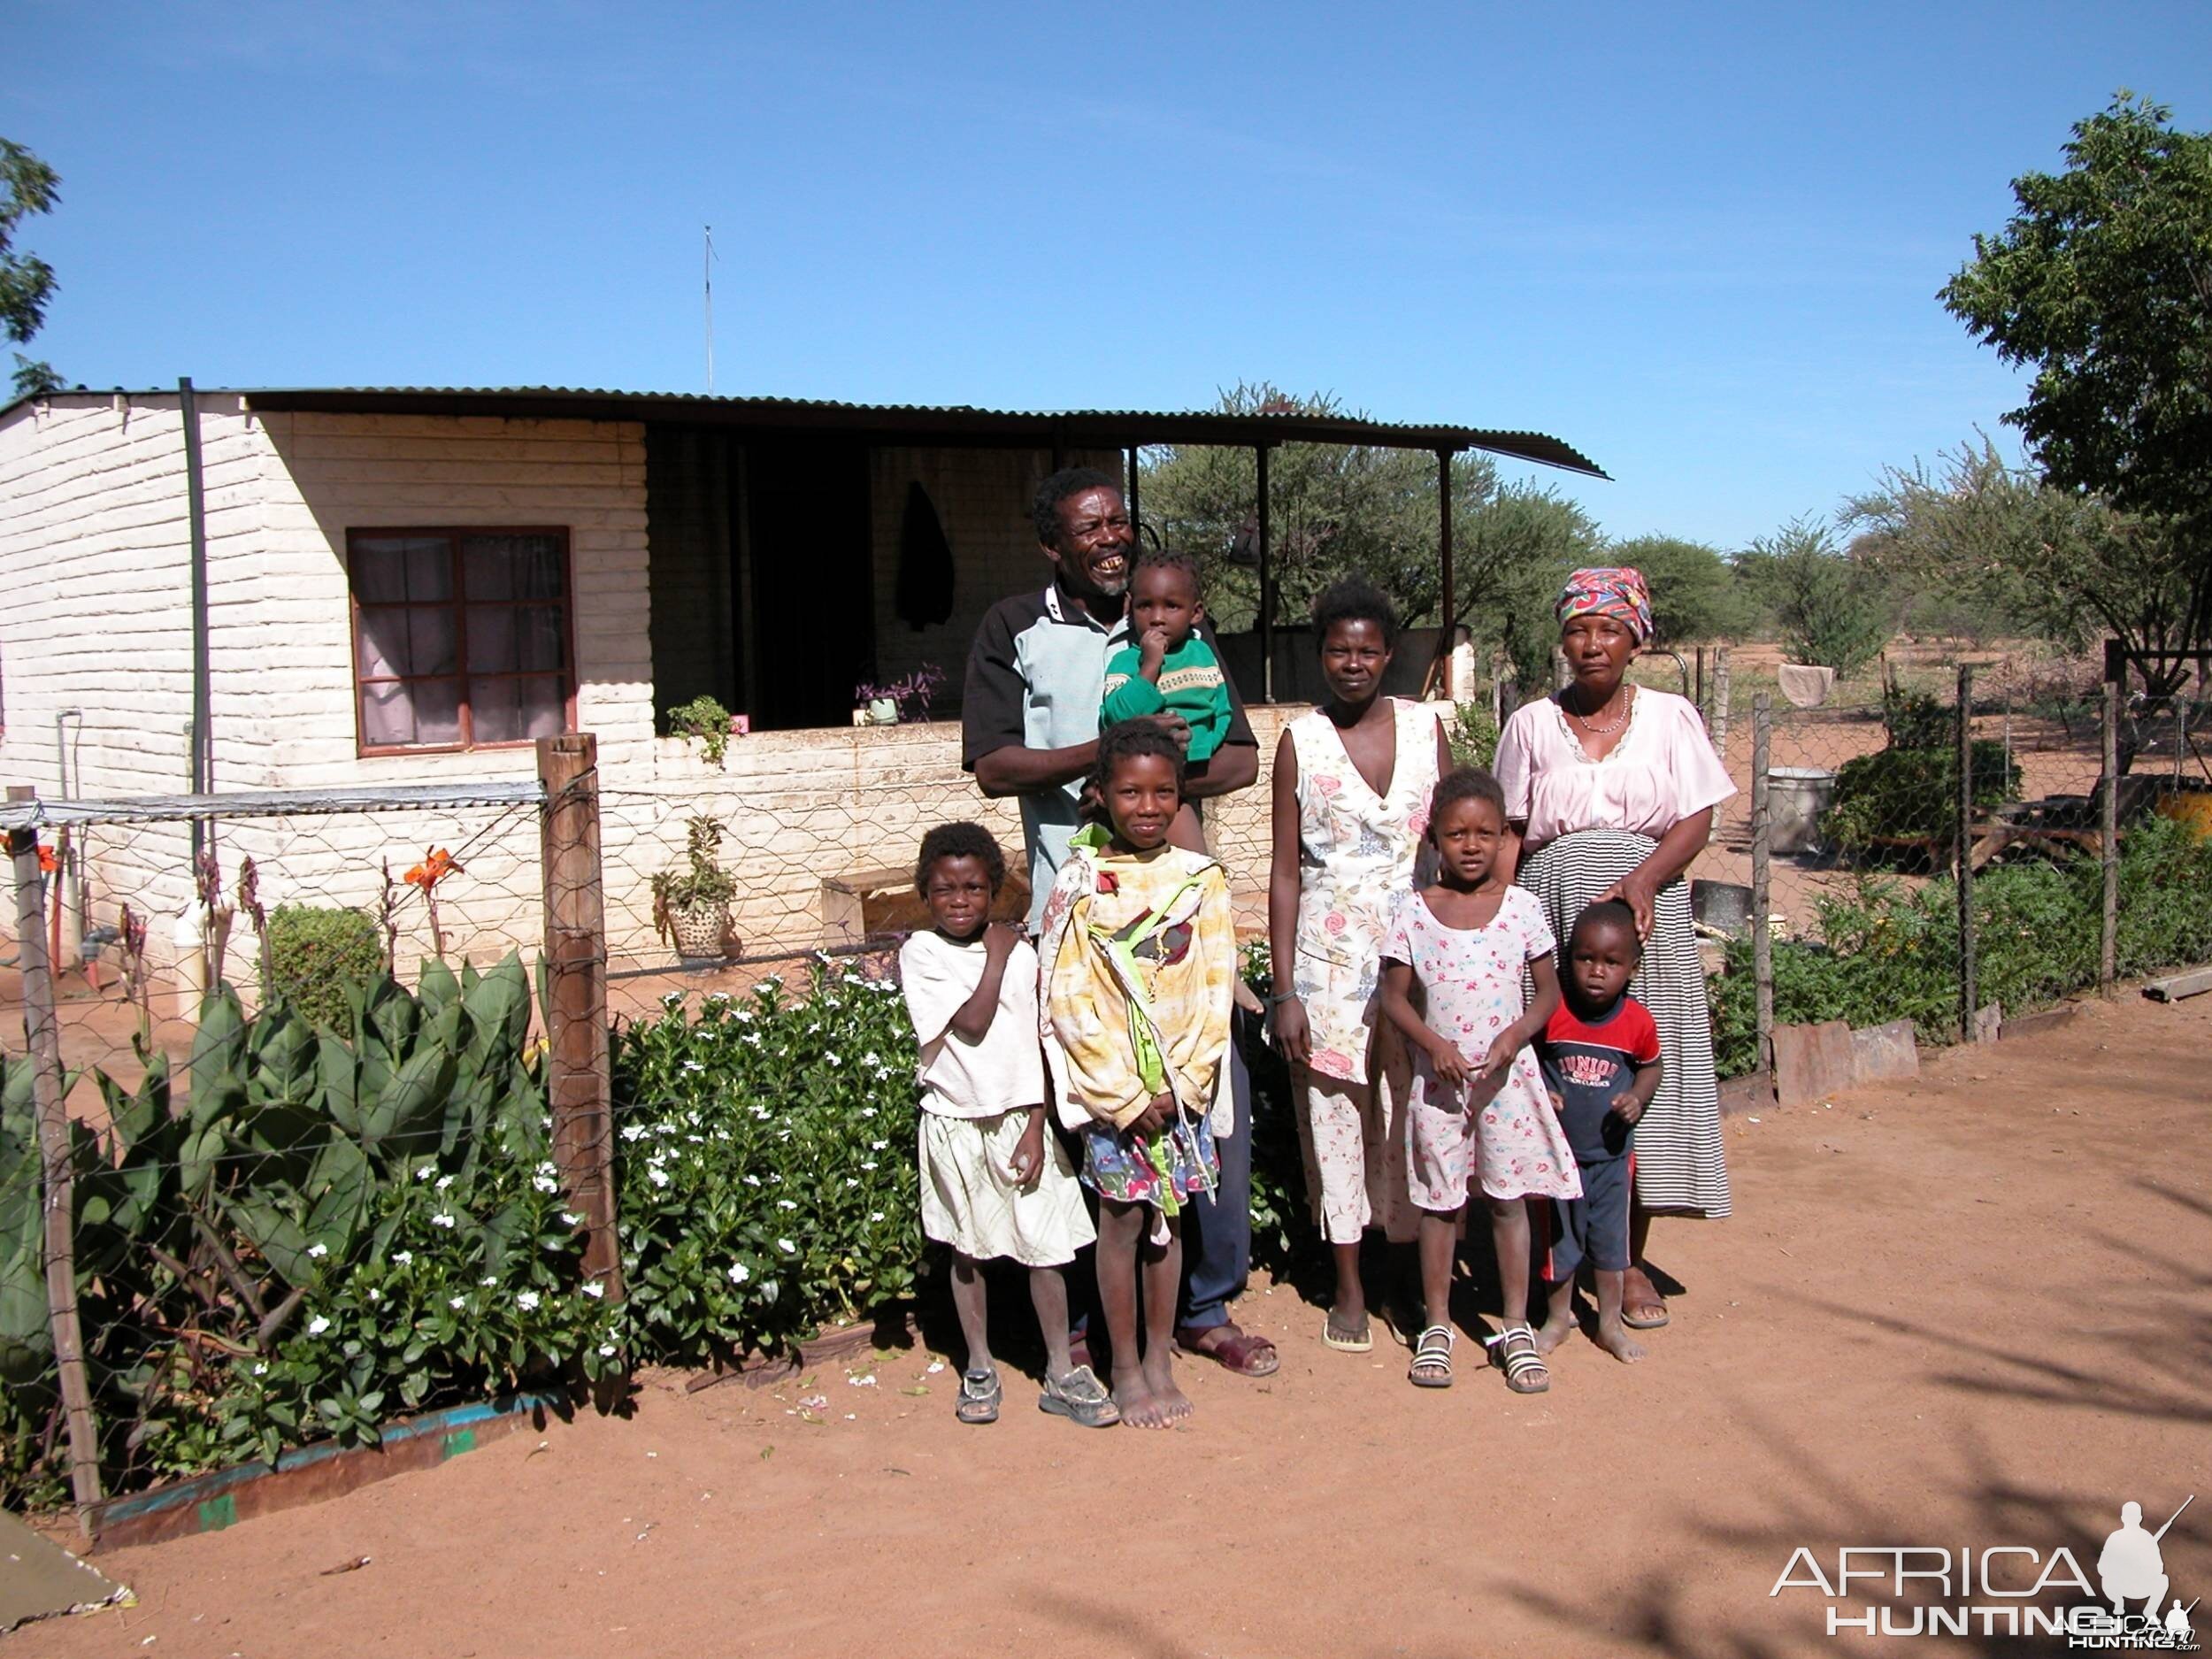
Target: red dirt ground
{"points": [[1973, 1311]]}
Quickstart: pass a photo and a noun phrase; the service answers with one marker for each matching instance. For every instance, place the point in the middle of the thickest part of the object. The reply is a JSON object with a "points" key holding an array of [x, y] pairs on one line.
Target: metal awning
{"points": [[944, 423]]}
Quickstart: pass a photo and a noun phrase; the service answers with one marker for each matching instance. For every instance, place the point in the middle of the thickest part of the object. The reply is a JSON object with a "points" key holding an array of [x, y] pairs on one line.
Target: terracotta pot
{"points": [[699, 930]]}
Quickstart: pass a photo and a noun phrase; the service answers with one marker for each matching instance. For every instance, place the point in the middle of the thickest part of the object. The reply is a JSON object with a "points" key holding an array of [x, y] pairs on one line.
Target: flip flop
{"points": [[1082, 1398], [1648, 1319], [1363, 1343], [1241, 1352]]}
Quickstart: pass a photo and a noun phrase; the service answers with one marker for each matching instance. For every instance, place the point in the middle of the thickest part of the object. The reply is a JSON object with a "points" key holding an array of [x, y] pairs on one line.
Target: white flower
{"points": [[672, 999], [528, 1300], [867, 1111], [425, 1172], [854, 1180], [878, 1146], [441, 1221], [545, 1183], [317, 1326], [875, 1215], [871, 1058], [868, 1164], [488, 1282], [693, 1065], [444, 1181], [606, 1350], [752, 1180], [832, 1059], [456, 1302], [376, 1294], [633, 1132], [400, 1258], [595, 1290], [260, 1368], [657, 1175], [717, 997], [785, 1203], [568, 1220], [739, 1273], [318, 1251], [786, 1246], [548, 1168]]}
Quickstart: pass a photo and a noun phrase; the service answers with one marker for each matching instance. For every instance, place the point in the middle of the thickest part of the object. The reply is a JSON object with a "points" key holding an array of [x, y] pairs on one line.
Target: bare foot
{"points": [[1159, 1376], [1133, 1398], [1557, 1329], [1613, 1337]]}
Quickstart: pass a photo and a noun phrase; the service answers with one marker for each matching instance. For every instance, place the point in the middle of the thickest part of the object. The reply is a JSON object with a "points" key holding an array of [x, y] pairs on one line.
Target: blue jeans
{"points": [[1218, 1231]]}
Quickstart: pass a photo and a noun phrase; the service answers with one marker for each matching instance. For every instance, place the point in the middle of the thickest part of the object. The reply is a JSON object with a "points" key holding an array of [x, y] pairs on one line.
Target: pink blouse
{"points": [[1662, 771]]}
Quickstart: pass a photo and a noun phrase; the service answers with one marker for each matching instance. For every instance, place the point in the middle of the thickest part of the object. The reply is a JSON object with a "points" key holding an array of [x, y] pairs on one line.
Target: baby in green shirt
{"points": [[1170, 670]]}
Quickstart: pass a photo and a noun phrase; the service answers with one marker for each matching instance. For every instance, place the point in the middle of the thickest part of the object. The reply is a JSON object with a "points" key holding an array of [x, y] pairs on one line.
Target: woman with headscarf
{"points": [[1611, 787]]}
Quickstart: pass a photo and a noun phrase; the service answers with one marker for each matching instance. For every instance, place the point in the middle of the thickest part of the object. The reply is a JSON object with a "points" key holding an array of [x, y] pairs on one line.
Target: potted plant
{"points": [[904, 699], [707, 720], [691, 905]]}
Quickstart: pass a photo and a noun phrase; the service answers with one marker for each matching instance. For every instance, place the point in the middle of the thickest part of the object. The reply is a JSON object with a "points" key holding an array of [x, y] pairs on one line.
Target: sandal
{"points": [[1643, 1316], [1362, 1343], [979, 1396], [1514, 1351], [1240, 1351], [1082, 1398], [1432, 1366]]}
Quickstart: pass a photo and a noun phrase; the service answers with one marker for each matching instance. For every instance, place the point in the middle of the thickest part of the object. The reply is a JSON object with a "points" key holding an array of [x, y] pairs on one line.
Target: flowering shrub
{"points": [[322, 1233], [766, 1164]]}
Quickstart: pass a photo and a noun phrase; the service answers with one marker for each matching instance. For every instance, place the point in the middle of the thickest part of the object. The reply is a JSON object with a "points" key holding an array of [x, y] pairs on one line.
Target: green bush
{"points": [[1887, 952], [319, 958], [767, 1168], [1913, 794], [320, 1233], [1473, 736]]}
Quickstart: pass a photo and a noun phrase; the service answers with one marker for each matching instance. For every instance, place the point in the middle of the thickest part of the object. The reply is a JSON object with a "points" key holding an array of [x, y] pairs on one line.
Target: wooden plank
{"points": [[208, 1503], [42, 1042], [579, 1086], [2177, 986]]}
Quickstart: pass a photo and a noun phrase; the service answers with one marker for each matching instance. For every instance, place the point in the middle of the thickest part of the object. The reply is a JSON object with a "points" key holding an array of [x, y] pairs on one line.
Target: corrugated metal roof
{"points": [[938, 423], [1073, 428]]}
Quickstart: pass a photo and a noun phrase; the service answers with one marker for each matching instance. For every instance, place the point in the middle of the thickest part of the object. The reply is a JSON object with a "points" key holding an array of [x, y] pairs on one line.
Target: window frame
{"points": [[454, 534]]}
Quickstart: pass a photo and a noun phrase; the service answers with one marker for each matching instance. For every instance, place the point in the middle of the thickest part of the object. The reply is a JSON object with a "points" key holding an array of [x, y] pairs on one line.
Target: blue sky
{"points": [[1699, 242]]}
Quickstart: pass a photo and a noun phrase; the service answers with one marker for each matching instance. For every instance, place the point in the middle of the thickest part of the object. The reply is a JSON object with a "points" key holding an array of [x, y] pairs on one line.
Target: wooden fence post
{"points": [[1970, 992], [2109, 949], [41, 1037], [1762, 883], [1716, 722], [577, 1071]]}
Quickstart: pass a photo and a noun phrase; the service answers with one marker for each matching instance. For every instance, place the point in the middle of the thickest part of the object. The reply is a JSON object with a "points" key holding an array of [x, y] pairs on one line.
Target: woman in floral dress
{"points": [[1351, 795]]}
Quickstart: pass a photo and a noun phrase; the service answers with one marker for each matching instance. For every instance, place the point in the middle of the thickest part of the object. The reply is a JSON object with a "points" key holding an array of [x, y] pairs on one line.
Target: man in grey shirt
{"points": [[1029, 720]]}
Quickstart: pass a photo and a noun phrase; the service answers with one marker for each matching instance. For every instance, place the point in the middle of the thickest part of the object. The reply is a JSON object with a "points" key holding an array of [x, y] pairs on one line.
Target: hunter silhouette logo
{"points": [[1933, 1590]]}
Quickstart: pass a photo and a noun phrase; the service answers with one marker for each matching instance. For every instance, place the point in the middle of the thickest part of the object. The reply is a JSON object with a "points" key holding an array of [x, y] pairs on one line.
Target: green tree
{"points": [[1337, 510], [1694, 596], [2102, 282], [27, 186], [1832, 610]]}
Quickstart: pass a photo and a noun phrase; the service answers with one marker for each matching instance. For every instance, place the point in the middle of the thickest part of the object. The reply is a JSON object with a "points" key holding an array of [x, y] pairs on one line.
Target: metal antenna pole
{"points": [[707, 271]]}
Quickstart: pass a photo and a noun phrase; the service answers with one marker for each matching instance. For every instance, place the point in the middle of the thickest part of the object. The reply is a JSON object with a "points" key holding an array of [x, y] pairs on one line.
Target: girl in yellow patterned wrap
{"points": [[1138, 961]]}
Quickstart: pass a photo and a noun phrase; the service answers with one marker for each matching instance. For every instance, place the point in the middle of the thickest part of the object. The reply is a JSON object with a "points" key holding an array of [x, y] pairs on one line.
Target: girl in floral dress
{"points": [[1351, 792], [1139, 967], [1451, 982]]}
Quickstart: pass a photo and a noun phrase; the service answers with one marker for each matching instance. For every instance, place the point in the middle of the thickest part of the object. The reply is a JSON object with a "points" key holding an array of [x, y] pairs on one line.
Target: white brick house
{"points": [[404, 586]]}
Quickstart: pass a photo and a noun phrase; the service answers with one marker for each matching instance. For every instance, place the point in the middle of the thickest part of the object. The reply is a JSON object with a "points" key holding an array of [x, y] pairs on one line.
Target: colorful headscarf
{"points": [[1608, 591]]}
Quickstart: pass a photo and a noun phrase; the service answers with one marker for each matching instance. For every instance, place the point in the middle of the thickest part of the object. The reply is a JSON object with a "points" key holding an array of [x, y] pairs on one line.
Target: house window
{"points": [[460, 637]]}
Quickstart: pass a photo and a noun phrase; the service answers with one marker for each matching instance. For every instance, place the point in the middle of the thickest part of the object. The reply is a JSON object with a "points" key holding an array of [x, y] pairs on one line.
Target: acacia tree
{"points": [[27, 186], [2102, 281], [1833, 610], [1337, 510]]}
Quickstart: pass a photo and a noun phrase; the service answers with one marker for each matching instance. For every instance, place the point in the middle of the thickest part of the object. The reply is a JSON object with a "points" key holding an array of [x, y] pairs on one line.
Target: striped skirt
{"points": [[1680, 1163]]}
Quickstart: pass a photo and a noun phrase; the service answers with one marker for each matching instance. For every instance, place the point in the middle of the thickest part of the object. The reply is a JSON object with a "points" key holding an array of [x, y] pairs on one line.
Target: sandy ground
{"points": [[1975, 1311]]}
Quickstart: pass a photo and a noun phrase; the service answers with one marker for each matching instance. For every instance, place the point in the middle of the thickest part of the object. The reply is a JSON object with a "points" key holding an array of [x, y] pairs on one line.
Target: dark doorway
{"points": [[810, 582]]}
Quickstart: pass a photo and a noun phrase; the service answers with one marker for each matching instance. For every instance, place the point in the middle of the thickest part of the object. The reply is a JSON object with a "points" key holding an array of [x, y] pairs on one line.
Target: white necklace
{"points": [[1628, 701]]}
